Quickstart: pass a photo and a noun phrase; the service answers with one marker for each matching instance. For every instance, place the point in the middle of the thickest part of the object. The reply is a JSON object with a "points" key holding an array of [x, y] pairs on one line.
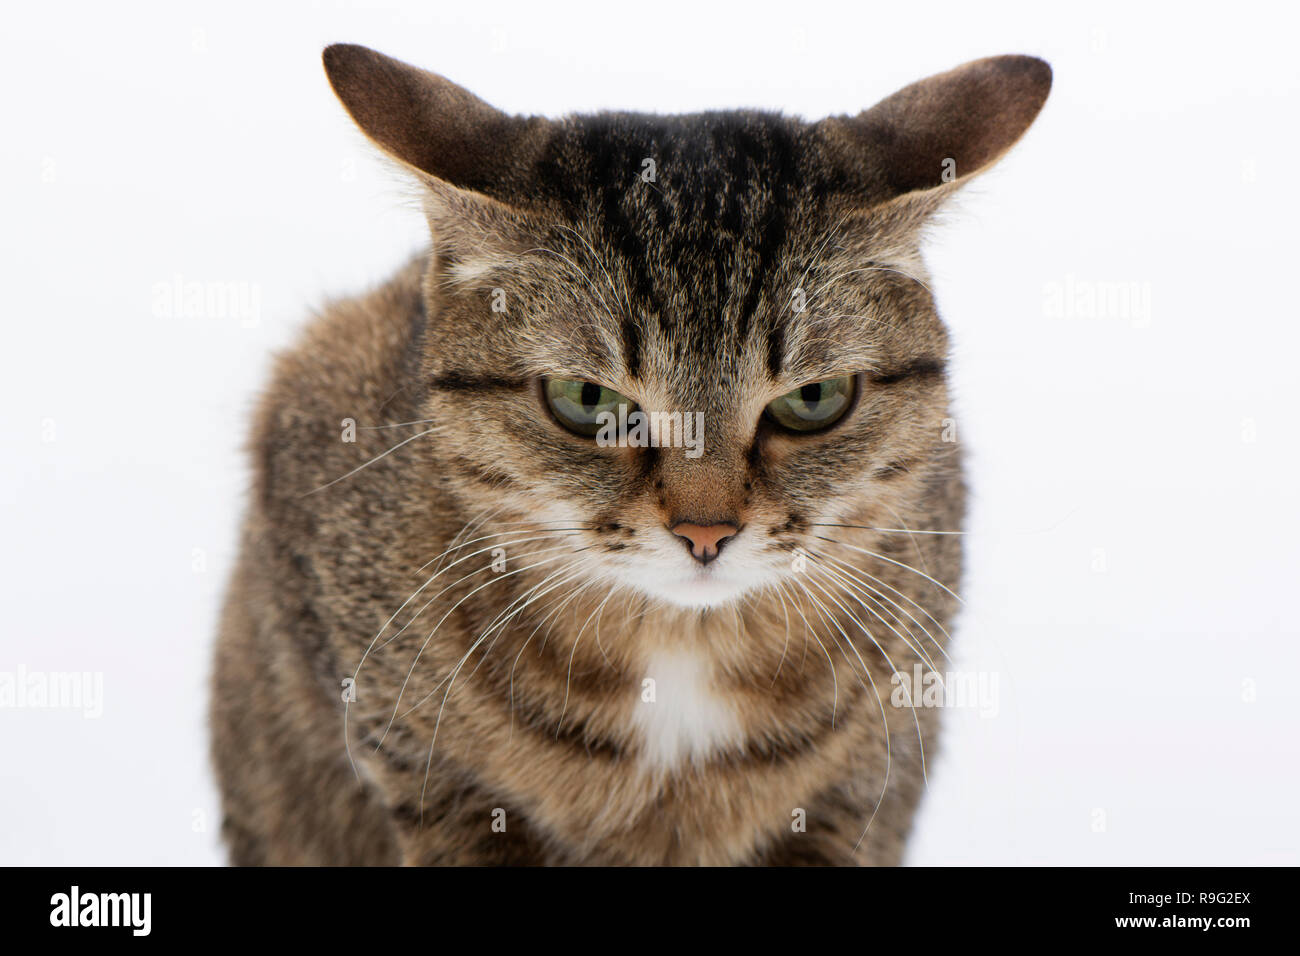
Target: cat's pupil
{"points": [[590, 394], [811, 394]]}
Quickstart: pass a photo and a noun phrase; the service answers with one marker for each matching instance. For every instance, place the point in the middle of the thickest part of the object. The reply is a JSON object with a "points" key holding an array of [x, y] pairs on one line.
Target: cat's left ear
{"points": [[931, 137], [469, 154]]}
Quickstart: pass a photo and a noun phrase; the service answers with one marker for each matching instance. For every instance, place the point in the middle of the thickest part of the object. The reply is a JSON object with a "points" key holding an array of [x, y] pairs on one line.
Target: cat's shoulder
{"points": [[348, 369], [356, 342]]}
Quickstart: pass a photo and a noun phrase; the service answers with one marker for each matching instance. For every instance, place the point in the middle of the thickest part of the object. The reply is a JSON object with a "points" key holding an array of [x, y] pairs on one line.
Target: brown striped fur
{"points": [[676, 292]]}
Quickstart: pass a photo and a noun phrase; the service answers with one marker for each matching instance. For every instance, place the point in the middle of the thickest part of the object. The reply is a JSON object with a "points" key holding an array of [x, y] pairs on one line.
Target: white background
{"points": [[1133, 554]]}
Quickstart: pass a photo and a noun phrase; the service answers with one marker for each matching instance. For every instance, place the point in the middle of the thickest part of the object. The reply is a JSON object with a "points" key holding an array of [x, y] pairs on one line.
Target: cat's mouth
{"points": [[698, 585]]}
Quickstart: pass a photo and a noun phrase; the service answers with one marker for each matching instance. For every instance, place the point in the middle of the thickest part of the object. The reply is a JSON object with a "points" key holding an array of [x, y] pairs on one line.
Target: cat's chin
{"points": [[702, 589]]}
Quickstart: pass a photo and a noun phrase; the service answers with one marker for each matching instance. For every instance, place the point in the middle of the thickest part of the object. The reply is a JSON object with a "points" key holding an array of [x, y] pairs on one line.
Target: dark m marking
{"points": [[631, 347], [775, 349]]}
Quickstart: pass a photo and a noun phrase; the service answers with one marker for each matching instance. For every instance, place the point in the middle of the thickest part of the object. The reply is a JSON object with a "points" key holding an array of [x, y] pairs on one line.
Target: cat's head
{"points": [[750, 283]]}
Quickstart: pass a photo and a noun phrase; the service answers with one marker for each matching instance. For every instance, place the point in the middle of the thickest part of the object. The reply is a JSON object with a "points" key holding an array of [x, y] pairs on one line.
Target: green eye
{"points": [[816, 406], [578, 404]]}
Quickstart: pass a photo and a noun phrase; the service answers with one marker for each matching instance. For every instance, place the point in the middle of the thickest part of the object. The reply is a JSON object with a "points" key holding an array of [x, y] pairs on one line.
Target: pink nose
{"points": [[705, 540]]}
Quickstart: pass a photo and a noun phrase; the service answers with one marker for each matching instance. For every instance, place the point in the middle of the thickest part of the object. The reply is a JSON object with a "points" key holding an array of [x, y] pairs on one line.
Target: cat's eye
{"points": [[813, 407], [580, 406]]}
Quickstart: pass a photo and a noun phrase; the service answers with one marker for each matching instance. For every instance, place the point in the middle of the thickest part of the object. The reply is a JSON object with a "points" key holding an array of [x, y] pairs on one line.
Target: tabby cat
{"points": [[484, 615]]}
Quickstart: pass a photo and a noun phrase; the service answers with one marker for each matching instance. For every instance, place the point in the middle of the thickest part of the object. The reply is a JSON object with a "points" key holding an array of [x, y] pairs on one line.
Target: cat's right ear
{"points": [[461, 148]]}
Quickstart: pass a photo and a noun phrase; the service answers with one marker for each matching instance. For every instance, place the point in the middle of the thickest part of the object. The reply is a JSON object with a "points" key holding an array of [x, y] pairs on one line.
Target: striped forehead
{"points": [[693, 216]]}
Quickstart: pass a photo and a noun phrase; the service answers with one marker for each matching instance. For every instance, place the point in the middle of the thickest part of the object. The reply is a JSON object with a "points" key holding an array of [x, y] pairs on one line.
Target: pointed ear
{"points": [[935, 134], [429, 123], [473, 159]]}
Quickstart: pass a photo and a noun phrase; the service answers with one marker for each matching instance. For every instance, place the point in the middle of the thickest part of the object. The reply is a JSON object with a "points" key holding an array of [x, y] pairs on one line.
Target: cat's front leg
{"points": [[449, 843], [454, 821], [845, 827]]}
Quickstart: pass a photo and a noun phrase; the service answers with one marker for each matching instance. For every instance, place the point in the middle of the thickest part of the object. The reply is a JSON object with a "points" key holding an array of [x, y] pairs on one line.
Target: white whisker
{"points": [[905, 567], [441, 620], [884, 719], [405, 441]]}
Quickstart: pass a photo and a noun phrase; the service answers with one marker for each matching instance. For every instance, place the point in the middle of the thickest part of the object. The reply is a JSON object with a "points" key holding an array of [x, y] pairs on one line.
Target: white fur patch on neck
{"points": [[686, 720]]}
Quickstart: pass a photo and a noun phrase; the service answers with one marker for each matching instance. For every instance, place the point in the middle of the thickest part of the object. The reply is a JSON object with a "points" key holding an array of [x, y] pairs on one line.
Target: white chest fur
{"points": [[680, 716]]}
